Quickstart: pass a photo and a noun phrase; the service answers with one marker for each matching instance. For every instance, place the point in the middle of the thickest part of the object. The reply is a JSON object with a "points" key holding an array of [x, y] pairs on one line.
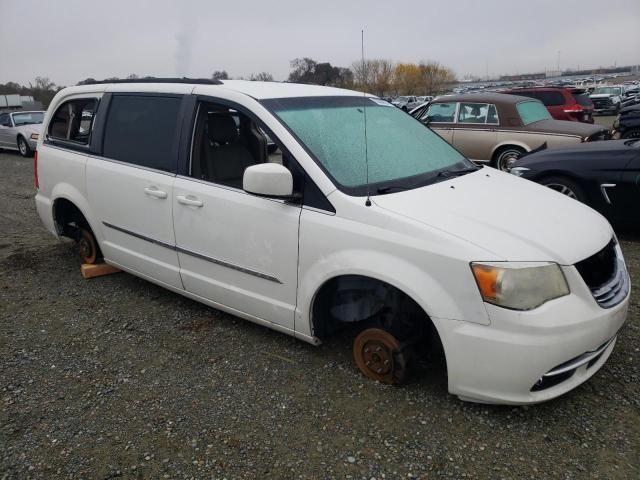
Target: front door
{"points": [[235, 249], [440, 117]]}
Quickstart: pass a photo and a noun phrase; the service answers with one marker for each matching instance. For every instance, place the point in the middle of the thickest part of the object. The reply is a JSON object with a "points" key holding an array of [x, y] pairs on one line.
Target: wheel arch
{"points": [[67, 196], [410, 280], [508, 143]]}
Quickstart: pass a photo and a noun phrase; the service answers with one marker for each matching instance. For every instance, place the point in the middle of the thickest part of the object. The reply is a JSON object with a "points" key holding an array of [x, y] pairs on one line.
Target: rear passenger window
{"points": [[142, 130], [73, 121]]}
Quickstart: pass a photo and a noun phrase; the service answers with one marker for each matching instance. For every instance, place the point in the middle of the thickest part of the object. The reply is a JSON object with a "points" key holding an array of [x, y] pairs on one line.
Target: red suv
{"points": [[563, 103]]}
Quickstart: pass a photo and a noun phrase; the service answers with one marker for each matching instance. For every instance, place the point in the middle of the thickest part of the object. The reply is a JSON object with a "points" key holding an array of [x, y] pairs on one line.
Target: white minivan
{"points": [[359, 216]]}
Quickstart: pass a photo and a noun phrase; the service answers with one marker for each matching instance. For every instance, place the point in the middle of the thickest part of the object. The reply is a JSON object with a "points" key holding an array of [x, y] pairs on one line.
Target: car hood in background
{"points": [[565, 127], [603, 95], [513, 218]]}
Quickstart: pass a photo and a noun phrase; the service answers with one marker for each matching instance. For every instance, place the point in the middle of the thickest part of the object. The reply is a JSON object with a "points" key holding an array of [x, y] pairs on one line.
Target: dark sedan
{"points": [[604, 175], [627, 125]]}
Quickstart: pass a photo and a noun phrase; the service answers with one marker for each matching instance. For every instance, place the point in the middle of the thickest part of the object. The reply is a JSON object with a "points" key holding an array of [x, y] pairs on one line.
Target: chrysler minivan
{"points": [[359, 217]]}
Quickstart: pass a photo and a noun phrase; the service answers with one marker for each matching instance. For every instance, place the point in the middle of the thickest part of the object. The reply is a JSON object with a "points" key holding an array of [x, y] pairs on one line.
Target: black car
{"points": [[604, 175], [627, 124]]}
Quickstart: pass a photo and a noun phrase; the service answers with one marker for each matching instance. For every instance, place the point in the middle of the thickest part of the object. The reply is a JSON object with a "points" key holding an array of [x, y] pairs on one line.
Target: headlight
{"points": [[35, 136], [518, 171], [519, 285]]}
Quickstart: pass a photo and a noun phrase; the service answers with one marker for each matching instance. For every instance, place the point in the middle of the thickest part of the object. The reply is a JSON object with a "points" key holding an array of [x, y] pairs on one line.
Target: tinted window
{"points": [[583, 99], [142, 130], [549, 98], [73, 121]]}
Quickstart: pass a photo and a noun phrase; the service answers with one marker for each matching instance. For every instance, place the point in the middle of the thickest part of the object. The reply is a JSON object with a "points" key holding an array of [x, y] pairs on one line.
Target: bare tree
{"points": [[435, 77], [261, 77], [220, 75]]}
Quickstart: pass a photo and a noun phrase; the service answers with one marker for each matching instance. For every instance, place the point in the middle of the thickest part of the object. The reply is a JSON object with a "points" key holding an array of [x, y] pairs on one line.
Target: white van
{"points": [[360, 216]]}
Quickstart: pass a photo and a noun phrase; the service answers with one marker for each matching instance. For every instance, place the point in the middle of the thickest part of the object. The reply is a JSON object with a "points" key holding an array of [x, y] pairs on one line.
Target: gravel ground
{"points": [[115, 377]]}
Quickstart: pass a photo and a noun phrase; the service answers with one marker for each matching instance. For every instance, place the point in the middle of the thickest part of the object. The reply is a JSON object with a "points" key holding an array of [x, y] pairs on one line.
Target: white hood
{"points": [[513, 218], [603, 95]]}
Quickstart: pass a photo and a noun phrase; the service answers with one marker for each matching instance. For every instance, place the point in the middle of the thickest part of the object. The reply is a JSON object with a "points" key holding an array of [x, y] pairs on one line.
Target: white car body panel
{"points": [[265, 260]]}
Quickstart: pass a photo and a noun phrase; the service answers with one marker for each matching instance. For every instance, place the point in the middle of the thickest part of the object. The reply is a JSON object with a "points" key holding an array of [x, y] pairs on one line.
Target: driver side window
{"points": [[226, 142]]}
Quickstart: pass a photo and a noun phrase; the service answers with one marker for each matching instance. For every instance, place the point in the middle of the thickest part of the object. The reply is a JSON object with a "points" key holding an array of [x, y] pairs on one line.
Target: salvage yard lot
{"points": [[115, 377]]}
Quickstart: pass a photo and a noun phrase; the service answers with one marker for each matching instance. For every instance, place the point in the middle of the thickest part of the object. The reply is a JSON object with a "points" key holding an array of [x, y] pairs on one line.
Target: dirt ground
{"points": [[117, 378]]}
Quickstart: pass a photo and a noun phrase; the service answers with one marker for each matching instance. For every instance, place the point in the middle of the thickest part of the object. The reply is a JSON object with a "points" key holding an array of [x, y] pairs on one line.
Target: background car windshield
{"points": [[398, 146], [532, 112], [607, 90], [27, 118]]}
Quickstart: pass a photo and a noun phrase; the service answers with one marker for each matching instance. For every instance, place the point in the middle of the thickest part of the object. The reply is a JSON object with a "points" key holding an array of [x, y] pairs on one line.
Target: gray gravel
{"points": [[117, 378]]}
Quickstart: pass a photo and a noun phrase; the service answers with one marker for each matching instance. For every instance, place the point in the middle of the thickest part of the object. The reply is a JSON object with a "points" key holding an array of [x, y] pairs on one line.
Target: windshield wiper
{"points": [[457, 173]]}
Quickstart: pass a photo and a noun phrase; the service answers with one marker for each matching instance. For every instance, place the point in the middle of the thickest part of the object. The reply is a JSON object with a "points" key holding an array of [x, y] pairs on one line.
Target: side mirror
{"points": [[427, 120], [268, 180]]}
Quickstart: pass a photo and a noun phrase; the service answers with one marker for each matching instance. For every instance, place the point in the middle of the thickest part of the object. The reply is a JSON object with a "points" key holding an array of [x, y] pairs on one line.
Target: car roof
{"points": [[484, 97], [264, 90], [257, 90]]}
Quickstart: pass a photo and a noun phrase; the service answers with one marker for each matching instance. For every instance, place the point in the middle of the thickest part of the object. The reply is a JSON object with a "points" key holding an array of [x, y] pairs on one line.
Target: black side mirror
{"points": [[427, 121]]}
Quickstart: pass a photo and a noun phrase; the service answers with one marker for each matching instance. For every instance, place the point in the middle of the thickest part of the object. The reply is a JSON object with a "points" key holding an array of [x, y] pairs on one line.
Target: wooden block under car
{"points": [[89, 270]]}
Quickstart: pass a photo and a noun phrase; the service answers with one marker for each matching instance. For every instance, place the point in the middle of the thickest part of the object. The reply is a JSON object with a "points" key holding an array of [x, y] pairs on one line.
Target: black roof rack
{"points": [[199, 81]]}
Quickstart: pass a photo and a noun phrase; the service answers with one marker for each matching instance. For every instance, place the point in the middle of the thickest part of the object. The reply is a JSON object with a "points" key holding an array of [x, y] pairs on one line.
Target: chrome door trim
{"points": [[201, 256]]}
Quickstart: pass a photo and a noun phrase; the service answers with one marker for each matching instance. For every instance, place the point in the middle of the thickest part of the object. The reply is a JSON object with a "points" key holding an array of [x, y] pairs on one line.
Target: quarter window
{"points": [[73, 121], [142, 130]]}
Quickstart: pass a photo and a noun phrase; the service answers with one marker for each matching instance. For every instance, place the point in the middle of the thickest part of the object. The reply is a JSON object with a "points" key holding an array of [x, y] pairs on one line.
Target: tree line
{"points": [[378, 76]]}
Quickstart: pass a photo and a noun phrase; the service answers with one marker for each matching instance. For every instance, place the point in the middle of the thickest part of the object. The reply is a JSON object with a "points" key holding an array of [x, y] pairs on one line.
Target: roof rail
{"points": [[199, 81]]}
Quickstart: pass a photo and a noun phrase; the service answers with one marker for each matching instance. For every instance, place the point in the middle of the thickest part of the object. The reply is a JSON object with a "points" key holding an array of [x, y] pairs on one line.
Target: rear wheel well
{"points": [[69, 220], [369, 302]]}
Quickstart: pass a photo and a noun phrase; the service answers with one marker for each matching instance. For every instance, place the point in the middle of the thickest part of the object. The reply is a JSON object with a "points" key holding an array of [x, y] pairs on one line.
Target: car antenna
{"points": [[364, 112]]}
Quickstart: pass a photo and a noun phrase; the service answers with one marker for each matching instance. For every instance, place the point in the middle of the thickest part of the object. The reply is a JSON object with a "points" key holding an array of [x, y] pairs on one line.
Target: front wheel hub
{"points": [[379, 356]]}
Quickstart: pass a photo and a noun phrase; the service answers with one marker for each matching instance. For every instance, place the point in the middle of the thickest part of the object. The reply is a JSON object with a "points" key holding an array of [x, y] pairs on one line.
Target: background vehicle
{"points": [[604, 175], [19, 131], [606, 99], [406, 102], [424, 99], [498, 128], [627, 124], [563, 103]]}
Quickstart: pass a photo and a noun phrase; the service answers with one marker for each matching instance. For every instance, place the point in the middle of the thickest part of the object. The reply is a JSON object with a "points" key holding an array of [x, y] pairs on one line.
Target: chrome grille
{"points": [[606, 275], [616, 290]]}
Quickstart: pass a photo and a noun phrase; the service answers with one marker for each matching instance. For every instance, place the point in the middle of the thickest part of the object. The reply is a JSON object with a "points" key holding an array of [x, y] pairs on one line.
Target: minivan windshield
{"points": [[533, 111], [402, 153]]}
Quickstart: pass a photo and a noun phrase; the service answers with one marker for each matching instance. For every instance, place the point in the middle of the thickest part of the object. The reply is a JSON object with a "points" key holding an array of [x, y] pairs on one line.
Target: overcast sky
{"points": [[70, 40]]}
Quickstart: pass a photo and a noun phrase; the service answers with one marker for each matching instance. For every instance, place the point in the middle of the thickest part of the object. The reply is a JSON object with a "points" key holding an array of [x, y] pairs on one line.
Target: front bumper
{"points": [[503, 362]]}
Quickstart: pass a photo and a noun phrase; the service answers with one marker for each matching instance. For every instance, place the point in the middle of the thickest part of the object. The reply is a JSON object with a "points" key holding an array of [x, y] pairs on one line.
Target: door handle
{"points": [[155, 192], [189, 200]]}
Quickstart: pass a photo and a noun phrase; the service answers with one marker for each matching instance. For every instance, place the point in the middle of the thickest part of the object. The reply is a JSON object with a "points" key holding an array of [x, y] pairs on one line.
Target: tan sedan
{"points": [[498, 128]]}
